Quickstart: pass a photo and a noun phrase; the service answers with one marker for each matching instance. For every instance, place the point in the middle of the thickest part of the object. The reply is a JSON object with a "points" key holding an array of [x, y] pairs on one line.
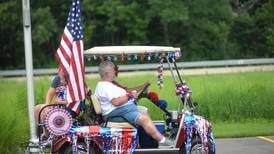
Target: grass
{"points": [[222, 97], [13, 120], [258, 127], [240, 104]]}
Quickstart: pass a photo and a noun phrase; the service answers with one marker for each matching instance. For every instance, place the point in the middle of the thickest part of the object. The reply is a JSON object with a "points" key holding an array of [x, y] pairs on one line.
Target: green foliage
{"points": [[14, 120], [207, 29], [41, 89], [45, 25], [248, 128], [265, 28], [44, 29], [115, 22], [240, 97], [204, 30], [251, 32], [164, 16], [11, 39]]}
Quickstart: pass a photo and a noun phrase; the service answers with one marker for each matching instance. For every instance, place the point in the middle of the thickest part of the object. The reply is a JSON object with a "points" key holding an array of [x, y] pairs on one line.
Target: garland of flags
{"points": [[134, 57]]}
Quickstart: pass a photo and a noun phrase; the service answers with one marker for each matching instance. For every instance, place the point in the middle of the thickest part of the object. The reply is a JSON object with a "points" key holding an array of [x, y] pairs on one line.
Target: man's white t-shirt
{"points": [[106, 91]]}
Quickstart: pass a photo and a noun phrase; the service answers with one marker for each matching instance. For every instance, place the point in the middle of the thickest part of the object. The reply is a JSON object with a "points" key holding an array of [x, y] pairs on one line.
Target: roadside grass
{"points": [[247, 128], [221, 97], [239, 104], [13, 120]]}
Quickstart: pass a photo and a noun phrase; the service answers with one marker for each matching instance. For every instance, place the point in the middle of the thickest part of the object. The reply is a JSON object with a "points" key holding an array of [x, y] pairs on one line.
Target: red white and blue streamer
{"points": [[160, 69], [198, 124], [114, 140]]}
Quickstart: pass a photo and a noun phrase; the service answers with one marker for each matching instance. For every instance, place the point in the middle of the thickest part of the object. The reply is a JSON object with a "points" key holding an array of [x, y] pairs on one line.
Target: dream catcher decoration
{"points": [[58, 121]]}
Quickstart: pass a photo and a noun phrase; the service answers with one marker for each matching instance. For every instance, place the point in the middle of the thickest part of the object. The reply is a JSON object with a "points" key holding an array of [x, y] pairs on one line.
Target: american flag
{"points": [[70, 57]]}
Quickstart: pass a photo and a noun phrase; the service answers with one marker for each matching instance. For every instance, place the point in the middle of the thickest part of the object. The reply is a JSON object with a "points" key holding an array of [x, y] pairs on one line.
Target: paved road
{"points": [[249, 145]]}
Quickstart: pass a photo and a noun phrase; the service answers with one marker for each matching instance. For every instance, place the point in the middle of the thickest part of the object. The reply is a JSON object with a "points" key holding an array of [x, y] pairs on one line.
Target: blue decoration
{"points": [[198, 125], [162, 104], [135, 57], [182, 89], [170, 55], [149, 57], [128, 57], [156, 56], [160, 69], [94, 57]]}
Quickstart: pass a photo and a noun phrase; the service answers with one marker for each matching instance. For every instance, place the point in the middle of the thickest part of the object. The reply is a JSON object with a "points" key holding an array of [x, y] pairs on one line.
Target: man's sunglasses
{"points": [[116, 68]]}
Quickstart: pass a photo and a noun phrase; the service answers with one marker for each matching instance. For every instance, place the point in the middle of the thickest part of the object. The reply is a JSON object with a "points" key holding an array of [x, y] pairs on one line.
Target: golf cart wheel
{"points": [[81, 149], [197, 147]]}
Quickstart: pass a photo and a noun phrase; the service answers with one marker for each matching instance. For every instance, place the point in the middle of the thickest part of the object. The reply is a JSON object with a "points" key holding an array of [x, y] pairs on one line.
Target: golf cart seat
{"points": [[97, 107]]}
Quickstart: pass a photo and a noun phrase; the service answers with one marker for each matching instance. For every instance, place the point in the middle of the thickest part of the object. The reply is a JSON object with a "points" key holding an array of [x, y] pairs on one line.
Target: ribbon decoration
{"points": [[160, 69], [182, 89], [112, 140], [202, 128]]}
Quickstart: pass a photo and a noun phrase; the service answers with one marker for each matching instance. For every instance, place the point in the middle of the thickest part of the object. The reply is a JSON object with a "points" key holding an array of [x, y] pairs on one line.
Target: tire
{"points": [[81, 149], [197, 147]]}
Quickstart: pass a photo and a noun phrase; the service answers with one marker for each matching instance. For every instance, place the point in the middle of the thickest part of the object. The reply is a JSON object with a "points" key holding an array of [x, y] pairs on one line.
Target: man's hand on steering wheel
{"points": [[144, 91]]}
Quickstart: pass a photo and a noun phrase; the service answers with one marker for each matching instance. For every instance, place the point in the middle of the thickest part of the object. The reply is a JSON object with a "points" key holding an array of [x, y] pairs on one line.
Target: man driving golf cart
{"points": [[116, 101]]}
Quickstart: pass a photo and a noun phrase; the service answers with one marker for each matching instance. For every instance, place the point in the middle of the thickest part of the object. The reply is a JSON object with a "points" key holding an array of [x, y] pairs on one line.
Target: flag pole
{"points": [[29, 74]]}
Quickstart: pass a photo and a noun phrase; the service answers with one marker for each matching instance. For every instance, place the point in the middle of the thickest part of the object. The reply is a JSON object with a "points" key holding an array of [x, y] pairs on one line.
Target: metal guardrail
{"points": [[142, 67]]}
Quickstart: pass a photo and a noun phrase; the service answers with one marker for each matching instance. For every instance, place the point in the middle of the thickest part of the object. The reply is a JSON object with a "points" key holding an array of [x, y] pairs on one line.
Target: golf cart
{"points": [[92, 134]]}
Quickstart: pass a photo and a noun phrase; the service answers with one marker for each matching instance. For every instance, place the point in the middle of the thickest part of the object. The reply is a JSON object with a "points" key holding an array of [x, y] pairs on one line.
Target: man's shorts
{"points": [[128, 113]]}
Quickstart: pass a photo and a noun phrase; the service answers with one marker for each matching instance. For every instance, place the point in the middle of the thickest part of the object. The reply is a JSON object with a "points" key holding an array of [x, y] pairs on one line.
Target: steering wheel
{"points": [[144, 92]]}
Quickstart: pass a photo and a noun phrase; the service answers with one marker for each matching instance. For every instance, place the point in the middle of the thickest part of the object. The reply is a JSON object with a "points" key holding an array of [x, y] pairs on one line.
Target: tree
{"points": [[115, 22], [167, 13], [253, 31], [206, 30], [264, 21], [243, 6], [43, 32], [11, 30]]}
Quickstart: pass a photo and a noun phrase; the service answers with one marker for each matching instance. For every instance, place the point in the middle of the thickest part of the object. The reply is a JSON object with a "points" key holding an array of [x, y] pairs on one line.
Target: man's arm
{"points": [[138, 88], [119, 100]]}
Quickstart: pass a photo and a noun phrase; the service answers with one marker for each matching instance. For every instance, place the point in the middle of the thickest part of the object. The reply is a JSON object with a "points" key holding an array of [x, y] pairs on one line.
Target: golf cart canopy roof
{"points": [[129, 50]]}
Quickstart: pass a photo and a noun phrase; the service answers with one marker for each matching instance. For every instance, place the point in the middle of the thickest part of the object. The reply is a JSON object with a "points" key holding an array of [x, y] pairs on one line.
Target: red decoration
{"points": [[153, 96], [58, 121]]}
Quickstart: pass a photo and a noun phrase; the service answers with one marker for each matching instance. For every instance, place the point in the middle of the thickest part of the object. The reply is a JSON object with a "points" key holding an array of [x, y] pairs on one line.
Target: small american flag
{"points": [[70, 57]]}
